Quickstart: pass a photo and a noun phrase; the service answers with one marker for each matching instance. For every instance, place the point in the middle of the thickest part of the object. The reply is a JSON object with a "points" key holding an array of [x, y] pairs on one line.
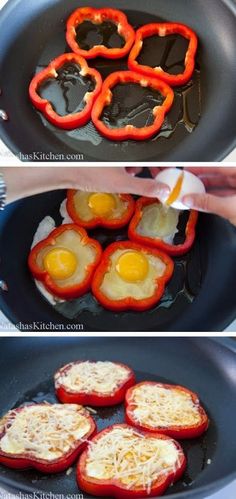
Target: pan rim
{"points": [[225, 343], [10, 144]]}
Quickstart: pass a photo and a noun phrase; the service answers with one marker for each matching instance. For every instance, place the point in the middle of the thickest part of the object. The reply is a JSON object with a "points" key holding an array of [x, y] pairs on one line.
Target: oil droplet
{"points": [[3, 286], [3, 115]]}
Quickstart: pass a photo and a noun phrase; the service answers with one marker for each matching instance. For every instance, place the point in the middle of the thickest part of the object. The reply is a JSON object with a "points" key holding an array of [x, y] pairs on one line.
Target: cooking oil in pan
{"points": [[199, 451], [180, 122], [66, 92], [89, 35]]}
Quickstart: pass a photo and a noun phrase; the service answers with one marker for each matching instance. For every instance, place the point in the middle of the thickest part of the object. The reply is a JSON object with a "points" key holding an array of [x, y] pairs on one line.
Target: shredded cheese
{"points": [[136, 461], [158, 406], [44, 431], [100, 377]]}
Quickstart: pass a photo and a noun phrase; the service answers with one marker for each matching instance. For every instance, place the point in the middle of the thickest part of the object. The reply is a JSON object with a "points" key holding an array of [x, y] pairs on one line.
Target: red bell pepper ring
{"points": [[98, 16], [130, 131], [184, 431], [164, 29], [27, 460], [91, 397], [130, 303], [171, 249], [115, 486], [40, 273], [72, 120], [100, 221]]}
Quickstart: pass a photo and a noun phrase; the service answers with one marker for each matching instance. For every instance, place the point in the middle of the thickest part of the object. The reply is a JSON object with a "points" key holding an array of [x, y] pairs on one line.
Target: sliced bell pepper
{"points": [[98, 16], [171, 249], [73, 120], [55, 261], [172, 403], [164, 29], [130, 266], [119, 463], [130, 131], [36, 435], [93, 381], [103, 209]]}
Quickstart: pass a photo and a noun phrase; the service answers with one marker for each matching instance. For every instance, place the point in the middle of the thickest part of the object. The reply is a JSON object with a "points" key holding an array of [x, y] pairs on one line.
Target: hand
{"points": [[26, 181], [220, 199]]}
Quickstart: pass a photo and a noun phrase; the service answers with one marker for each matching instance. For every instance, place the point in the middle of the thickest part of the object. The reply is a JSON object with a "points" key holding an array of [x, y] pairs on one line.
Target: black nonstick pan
{"points": [[199, 297], [201, 125], [27, 366]]}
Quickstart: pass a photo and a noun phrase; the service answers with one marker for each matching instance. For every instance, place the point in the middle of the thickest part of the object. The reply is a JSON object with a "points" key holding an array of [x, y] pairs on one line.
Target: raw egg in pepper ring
{"points": [[99, 209], [65, 261], [131, 277]]}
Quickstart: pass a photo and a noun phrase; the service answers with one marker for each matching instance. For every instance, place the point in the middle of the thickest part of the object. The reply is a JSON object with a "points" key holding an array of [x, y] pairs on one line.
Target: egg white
{"points": [[64, 213], [45, 227], [116, 288], [158, 222]]}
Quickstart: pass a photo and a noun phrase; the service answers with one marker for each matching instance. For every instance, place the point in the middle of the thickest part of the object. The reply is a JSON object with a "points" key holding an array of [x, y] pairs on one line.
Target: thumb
{"points": [[222, 206], [145, 187]]}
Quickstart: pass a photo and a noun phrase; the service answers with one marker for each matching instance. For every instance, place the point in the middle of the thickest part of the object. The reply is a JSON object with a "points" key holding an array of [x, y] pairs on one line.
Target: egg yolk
{"points": [[132, 266], [176, 191], [102, 204], [60, 263]]}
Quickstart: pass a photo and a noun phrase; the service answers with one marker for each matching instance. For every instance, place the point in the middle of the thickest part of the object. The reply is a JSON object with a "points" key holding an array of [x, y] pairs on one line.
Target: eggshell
{"points": [[191, 184]]}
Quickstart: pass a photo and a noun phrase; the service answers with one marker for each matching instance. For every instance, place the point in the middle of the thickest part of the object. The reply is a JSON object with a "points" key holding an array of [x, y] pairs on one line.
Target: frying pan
{"points": [[199, 297], [32, 33], [27, 366]]}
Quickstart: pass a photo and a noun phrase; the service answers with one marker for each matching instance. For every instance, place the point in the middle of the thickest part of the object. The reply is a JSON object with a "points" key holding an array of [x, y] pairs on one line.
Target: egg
{"points": [[45, 227], [158, 222], [66, 219], [181, 183], [65, 261], [92, 209], [131, 276]]}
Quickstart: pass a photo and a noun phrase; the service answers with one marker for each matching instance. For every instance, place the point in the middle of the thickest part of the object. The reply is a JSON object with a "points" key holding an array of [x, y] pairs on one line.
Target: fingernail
{"points": [[163, 190], [188, 201]]}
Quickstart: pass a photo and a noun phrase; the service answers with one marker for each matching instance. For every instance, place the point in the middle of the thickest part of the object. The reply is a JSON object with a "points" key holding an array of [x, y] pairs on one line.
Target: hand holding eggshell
{"points": [[181, 183]]}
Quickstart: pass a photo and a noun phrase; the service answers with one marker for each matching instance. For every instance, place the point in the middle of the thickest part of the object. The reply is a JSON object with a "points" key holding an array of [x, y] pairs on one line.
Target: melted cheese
{"points": [[133, 459], [117, 288], [159, 222], [162, 407], [100, 377], [44, 431]]}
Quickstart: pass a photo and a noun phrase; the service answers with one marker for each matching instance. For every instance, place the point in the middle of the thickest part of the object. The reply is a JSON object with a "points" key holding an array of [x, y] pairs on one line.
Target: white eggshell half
{"points": [[191, 185]]}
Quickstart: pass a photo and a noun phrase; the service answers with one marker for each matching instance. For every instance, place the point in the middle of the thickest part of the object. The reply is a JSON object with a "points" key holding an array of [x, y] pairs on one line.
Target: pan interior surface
{"points": [[164, 360], [186, 305], [190, 131]]}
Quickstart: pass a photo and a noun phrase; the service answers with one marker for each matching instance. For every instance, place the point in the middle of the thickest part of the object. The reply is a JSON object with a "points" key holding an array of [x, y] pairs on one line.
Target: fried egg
{"points": [[181, 183], [158, 406], [132, 274], [89, 377], [95, 208], [158, 222], [44, 431], [130, 458]]}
